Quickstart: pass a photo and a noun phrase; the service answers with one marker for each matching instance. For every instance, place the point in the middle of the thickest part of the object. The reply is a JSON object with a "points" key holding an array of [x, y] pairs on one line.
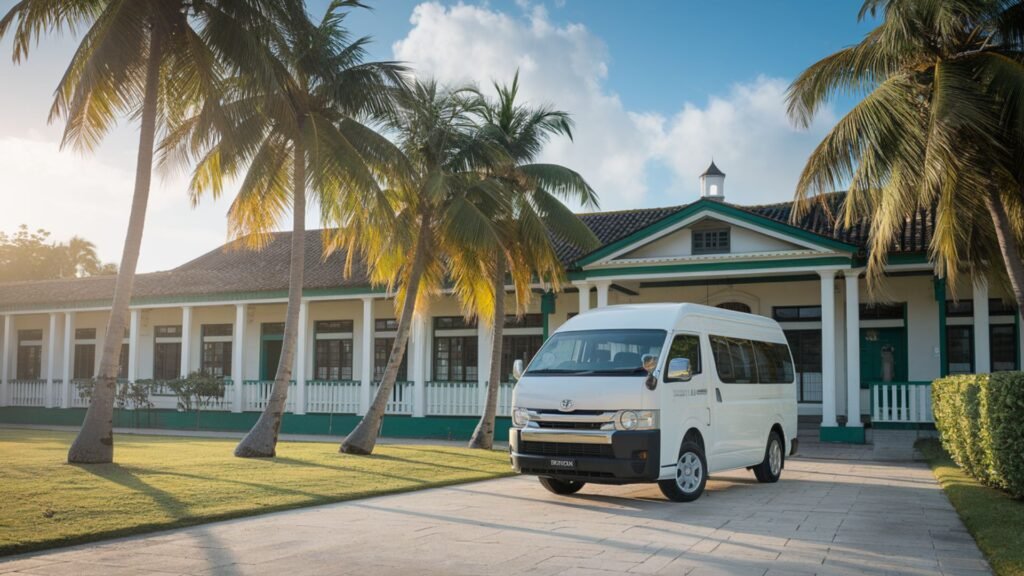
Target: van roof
{"points": [[664, 316]]}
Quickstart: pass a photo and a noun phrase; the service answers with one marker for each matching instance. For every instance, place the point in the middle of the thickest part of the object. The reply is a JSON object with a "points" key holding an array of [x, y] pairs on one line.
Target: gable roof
{"points": [[234, 272]]}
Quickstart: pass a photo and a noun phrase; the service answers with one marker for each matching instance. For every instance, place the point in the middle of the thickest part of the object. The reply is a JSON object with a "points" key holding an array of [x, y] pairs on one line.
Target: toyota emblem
{"points": [[567, 405]]}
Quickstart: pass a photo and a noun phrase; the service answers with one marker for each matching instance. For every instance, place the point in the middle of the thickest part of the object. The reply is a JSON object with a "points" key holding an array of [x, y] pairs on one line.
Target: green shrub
{"points": [[980, 419]]}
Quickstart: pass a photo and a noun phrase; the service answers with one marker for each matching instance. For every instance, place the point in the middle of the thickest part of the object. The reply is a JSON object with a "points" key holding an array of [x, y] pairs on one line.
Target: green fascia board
{"points": [[713, 267], [725, 210], [197, 298], [842, 434]]}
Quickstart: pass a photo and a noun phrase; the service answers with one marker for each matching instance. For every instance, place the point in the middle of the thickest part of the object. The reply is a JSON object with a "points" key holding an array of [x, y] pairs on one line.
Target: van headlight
{"points": [[636, 419], [520, 417]]}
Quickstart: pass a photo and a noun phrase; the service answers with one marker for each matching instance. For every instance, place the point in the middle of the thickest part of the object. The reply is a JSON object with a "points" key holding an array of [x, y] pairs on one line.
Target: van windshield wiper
{"points": [[635, 370], [555, 371]]}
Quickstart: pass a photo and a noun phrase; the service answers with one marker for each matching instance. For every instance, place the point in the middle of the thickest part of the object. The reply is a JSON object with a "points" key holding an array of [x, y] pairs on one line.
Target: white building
{"points": [[862, 359]]}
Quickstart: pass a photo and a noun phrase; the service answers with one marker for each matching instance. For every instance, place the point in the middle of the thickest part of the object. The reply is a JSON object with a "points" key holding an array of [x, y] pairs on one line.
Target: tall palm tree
{"points": [[78, 257], [536, 216], [441, 201], [940, 126], [150, 59], [294, 129]]}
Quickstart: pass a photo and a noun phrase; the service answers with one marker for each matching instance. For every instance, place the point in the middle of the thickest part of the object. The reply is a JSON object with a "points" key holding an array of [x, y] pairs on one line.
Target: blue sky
{"points": [[657, 88]]}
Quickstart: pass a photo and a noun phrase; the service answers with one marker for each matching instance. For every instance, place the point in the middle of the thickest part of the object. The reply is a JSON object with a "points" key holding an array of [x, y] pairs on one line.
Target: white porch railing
{"points": [[26, 393], [322, 397], [401, 401], [332, 396], [453, 399], [901, 402], [255, 394]]}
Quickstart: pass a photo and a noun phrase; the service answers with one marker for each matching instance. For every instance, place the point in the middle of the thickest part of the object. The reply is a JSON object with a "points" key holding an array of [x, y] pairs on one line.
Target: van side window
{"points": [[684, 346], [734, 359], [774, 365]]}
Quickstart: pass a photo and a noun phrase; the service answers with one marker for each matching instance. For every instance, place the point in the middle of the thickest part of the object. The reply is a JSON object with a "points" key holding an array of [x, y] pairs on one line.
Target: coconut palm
{"points": [[940, 126], [536, 217], [441, 201], [150, 59], [294, 130]]}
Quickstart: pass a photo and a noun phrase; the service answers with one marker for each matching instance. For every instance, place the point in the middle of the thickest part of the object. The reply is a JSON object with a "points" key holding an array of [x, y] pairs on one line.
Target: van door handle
{"points": [[718, 394], [709, 416]]}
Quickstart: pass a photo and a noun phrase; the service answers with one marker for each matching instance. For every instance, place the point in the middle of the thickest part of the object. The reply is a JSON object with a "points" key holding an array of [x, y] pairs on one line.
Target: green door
{"points": [[270, 357], [876, 344]]}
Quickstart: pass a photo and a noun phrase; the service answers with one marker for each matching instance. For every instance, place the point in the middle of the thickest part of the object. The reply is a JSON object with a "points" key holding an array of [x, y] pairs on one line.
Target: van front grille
{"points": [[566, 449], [571, 425]]}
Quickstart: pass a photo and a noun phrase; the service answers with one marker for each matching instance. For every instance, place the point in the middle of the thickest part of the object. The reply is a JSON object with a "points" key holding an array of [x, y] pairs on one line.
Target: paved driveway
{"points": [[825, 517]]}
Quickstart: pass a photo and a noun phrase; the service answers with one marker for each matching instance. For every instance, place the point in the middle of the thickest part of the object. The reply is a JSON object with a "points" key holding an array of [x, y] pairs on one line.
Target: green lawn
{"points": [[160, 482], [994, 519]]}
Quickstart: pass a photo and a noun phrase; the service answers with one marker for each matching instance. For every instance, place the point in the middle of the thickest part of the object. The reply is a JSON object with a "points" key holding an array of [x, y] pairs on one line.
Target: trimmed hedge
{"points": [[980, 419]]}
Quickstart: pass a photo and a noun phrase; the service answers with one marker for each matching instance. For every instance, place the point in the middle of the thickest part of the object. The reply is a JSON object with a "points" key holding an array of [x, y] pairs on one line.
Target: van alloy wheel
{"points": [[770, 469], [689, 472], [775, 458]]}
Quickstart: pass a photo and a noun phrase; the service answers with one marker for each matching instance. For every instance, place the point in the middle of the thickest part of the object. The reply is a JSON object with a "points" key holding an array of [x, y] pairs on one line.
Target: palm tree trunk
{"points": [[364, 437], [483, 436], [95, 441], [1008, 246], [261, 441]]}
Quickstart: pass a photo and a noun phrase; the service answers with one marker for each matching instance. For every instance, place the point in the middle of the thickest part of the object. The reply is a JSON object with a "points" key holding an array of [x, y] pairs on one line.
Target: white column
{"points": [[51, 359], [484, 347], [134, 323], [852, 348], [186, 341], [584, 296], [5, 362], [419, 366], [982, 355], [69, 339], [237, 357], [602, 292], [366, 356], [300, 358], [828, 348]]}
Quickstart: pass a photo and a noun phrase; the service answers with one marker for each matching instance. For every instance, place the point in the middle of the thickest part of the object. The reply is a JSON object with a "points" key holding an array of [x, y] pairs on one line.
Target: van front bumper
{"points": [[619, 457]]}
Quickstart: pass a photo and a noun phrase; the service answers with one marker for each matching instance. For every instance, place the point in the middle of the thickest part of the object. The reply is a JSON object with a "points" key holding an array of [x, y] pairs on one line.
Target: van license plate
{"points": [[562, 463]]}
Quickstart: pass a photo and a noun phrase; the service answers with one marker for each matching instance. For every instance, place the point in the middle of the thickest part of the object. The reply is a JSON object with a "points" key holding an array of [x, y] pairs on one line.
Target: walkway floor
{"points": [[826, 517]]}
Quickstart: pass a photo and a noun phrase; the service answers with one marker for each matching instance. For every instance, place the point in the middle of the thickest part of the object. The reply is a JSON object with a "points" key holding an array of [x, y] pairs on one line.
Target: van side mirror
{"points": [[517, 368], [679, 369]]}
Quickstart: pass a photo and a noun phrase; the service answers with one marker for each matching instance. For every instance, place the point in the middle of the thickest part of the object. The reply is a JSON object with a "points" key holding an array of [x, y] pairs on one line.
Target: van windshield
{"points": [[597, 352]]}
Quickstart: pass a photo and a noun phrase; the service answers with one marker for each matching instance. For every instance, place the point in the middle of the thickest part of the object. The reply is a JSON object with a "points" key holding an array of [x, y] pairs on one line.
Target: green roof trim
{"points": [[725, 210], [201, 298], [713, 267]]}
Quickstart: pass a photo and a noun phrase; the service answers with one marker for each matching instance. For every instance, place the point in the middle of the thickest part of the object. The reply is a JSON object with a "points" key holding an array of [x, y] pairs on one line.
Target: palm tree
{"points": [[290, 129], [440, 199], [537, 215], [941, 126], [151, 59], [78, 257]]}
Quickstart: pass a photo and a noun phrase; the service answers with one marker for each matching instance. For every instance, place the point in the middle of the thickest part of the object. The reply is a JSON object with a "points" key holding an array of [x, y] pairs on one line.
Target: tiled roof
{"points": [[232, 269]]}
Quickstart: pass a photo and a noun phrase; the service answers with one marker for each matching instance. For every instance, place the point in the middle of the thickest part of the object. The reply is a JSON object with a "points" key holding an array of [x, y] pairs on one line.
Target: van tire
{"points": [[770, 469], [690, 454], [561, 487]]}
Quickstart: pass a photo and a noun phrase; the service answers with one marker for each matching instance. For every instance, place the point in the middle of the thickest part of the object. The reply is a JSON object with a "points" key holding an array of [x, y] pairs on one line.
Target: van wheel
{"points": [[770, 469], [561, 487], [691, 475]]}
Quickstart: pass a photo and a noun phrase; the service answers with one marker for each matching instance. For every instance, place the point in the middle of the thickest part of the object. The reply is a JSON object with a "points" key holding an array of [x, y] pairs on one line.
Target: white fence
{"points": [[322, 397], [401, 401], [332, 396], [902, 402]]}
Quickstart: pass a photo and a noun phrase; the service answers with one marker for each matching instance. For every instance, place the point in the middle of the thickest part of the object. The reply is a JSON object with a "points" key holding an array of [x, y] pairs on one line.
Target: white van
{"points": [[655, 392]]}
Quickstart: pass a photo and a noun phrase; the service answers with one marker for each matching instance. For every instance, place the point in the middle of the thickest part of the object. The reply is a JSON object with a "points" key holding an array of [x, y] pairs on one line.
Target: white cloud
{"points": [[70, 194], [746, 129]]}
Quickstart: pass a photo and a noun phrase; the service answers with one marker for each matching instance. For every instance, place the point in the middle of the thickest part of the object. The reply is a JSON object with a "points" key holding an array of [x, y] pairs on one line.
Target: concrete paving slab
{"points": [[825, 517]]}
